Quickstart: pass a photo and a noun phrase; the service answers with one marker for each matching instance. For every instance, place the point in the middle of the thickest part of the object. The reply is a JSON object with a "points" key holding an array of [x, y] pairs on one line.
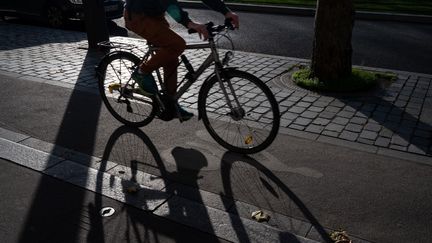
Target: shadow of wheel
{"points": [[243, 174]]}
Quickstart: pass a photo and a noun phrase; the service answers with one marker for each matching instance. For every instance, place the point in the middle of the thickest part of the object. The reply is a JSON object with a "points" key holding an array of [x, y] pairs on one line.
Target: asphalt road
{"points": [[384, 44]]}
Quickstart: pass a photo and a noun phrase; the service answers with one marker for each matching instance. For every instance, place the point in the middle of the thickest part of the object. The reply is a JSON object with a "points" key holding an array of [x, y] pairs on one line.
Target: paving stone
{"points": [[320, 104], [327, 115], [382, 142], [408, 123], [416, 149], [372, 127], [379, 117], [383, 108], [314, 128], [363, 114], [287, 103], [309, 114], [386, 132], [321, 121], [297, 127], [358, 120], [337, 103], [334, 127], [285, 122], [315, 109], [421, 141], [332, 109], [330, 133], [340, 121], [297, 110], [423, 133], [354, 128], [309, 99], [369, 135], [303, 104], [398, 140], [347, 135], [346, 114], [290, 116], [405, 131], [368, 107], [294, 98], [349, 109]]}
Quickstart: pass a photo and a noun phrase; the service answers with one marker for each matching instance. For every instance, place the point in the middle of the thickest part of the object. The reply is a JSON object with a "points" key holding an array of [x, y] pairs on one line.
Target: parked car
{"points": [[56, 12]]}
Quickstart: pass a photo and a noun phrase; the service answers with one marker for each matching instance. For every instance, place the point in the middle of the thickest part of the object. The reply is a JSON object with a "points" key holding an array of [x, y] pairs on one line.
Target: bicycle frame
{"points": [[188, 80]]}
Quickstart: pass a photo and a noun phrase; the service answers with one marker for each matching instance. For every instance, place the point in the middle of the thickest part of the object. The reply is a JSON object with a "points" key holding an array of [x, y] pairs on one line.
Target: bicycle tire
{"points": [[114, 71], [259, 126]]}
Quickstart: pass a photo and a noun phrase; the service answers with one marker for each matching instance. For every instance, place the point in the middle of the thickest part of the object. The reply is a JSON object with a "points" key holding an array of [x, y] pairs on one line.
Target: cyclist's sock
{"points": [[145, 81]]}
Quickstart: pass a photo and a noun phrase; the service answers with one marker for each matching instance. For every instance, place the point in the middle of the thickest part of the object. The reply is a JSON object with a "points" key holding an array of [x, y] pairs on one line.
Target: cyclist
{"points": [[146, 18]]}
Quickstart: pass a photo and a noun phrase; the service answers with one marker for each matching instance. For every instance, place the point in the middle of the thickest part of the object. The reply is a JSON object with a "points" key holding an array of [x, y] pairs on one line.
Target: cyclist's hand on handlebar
{"points": [[233, 18], [201, 29]]}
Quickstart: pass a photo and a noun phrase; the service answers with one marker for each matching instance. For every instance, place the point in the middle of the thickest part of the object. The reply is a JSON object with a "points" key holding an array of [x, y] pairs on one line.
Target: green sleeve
{"points": [[177, 13]]}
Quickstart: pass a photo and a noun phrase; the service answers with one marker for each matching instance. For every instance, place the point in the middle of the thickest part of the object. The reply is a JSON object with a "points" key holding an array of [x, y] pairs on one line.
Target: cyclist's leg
{"points": [[156, 30]]}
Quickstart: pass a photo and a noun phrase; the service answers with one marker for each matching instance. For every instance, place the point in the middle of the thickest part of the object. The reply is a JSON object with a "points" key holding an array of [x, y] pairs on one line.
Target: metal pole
{"points": [[95, 22]]}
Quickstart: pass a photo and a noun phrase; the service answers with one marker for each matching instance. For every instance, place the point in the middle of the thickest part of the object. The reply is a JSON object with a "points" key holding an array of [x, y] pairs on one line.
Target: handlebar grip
{"points": [[228, 23]]}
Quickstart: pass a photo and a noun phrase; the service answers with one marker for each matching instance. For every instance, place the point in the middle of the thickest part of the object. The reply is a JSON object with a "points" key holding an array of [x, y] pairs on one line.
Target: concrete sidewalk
{"points": [[394, 121]]}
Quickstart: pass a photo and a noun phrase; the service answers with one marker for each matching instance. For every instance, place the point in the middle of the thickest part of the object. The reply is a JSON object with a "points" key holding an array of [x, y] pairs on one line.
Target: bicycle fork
{"points": [[236, 112]]}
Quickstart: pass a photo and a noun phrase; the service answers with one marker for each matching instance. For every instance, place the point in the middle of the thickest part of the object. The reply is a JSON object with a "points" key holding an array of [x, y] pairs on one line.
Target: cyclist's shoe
{"points": [[182, 114], [146, 82]]}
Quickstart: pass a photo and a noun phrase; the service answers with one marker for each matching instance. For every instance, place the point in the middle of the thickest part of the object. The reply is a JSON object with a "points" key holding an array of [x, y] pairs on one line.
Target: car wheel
{"points": [[55, 16]]}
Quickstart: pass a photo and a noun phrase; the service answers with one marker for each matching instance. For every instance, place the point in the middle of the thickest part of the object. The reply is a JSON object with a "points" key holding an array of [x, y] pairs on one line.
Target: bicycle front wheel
{"points": [[251, 124], [121, 94]]}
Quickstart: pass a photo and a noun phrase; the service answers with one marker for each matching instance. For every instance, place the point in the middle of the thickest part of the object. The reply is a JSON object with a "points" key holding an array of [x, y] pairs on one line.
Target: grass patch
{"points": [[359, 80]]}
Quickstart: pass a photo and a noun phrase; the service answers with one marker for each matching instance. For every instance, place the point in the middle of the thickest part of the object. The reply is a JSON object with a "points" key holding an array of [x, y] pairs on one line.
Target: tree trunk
{"points": [[332, 50]]}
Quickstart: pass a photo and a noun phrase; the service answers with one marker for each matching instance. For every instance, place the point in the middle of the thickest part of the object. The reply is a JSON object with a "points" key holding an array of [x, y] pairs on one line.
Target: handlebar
{"points": [[214, 29]]}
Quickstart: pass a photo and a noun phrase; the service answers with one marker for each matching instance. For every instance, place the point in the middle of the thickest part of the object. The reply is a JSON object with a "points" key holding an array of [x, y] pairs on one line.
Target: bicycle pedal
{"points": [[113, 87]]}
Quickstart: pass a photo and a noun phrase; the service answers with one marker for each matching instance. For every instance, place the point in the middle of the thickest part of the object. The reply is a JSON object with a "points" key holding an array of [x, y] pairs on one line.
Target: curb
{"points": [[299, 11]]}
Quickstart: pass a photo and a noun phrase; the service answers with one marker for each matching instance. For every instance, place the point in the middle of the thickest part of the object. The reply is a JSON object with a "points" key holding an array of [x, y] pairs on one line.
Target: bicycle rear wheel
{"points": [[248, 127], [121, 94]]}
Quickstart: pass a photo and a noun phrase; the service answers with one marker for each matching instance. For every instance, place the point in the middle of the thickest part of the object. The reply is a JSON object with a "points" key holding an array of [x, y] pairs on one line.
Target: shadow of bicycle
{"points": [[142, 168]]}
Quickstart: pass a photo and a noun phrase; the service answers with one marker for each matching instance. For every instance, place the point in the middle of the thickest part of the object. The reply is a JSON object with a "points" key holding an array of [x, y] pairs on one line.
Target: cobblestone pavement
{"points": [[397, 118]]}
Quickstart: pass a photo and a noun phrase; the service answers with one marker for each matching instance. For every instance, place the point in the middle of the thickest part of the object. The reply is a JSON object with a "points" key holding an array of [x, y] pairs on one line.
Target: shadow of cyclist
{"points": [[140, 163]]}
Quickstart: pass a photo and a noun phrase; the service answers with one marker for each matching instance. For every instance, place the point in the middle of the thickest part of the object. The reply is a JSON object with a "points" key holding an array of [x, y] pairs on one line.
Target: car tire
{"points": [[55, 16]]}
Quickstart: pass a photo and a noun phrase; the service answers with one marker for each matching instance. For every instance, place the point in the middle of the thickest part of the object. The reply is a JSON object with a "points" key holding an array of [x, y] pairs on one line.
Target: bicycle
{"points": [[238, 110]]}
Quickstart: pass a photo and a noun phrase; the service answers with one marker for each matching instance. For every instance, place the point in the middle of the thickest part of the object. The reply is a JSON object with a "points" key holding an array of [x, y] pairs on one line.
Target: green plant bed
{"points": [[359, 80]]}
